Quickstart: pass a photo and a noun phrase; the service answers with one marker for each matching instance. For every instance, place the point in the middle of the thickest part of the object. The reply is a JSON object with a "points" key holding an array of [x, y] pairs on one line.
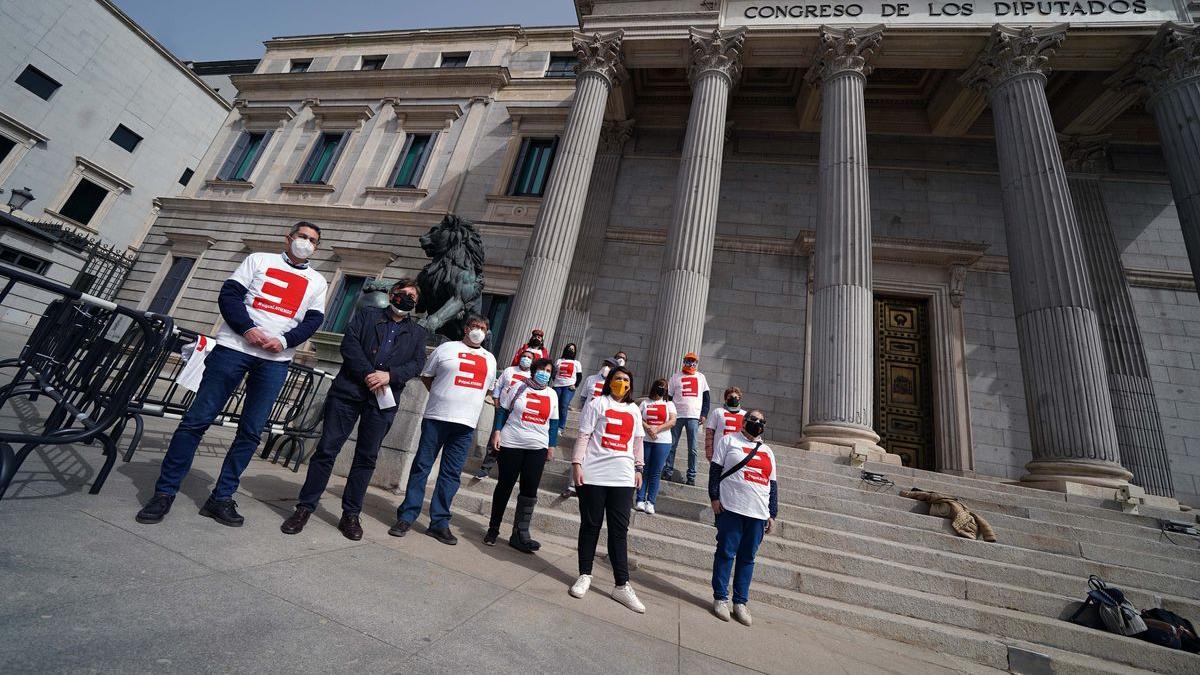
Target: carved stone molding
{"points": [[1173, 56], [719, 51], [1084, 154], [958, 284], [613, 135], [842, 50], [263, 117], [599, 53], [1012, 52]]}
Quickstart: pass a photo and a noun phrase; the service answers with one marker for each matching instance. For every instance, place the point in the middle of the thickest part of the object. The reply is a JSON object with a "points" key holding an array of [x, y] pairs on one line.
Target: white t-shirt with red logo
{"points": [[277, 298], [613, 430], [511, 374], [528, 423], [565, 372], [747, 492], [656, 413], [462, 377], [724, 421], [592, 387], [687, 391]]}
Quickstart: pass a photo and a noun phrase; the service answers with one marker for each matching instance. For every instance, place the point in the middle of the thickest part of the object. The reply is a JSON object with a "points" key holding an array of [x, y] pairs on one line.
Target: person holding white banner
{"points": [[382, 349]]}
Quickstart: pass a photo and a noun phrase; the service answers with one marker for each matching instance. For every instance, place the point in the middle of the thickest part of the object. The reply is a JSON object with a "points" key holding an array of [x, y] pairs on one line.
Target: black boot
{"points": [[520, 539]]}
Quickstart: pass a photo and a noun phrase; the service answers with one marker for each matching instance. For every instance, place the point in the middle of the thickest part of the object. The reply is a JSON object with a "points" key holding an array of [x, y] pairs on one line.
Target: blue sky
{"points": [[211, 30]]}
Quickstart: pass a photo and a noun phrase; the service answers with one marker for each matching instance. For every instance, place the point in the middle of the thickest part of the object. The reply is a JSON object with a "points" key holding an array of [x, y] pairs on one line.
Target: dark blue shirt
{"points": [[390, 331]]}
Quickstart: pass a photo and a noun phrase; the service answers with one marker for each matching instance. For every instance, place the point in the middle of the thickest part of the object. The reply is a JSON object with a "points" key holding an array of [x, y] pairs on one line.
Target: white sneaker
{"points": [[741, 614], [581, 585], [721, 609], [625, 595], [640, 506], [650, 508]]}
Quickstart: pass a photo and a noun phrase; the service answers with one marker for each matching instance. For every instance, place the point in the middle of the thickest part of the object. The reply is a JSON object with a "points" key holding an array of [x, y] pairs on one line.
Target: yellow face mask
{"points": [[619, 388]]}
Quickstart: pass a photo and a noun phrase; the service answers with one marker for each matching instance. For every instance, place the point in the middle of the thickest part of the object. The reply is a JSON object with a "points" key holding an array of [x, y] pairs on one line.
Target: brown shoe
{"points": [[350, 527], [296, 522]]}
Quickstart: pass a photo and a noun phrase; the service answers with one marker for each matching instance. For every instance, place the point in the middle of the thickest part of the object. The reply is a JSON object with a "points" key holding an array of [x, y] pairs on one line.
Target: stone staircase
{"points": [[858, 555]]}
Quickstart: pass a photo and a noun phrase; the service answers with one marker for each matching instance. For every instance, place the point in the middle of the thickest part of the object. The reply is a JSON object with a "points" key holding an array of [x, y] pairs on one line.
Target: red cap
{"points": [[538, 331]]}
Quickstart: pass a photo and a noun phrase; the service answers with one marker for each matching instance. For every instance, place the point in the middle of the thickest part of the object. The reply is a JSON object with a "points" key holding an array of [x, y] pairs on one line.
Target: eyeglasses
{"points": [[301, 235]]}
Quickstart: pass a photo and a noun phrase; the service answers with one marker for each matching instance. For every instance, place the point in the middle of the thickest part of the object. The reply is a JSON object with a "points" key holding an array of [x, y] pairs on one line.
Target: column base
{"points": [[856, 443], [1076, 476]]}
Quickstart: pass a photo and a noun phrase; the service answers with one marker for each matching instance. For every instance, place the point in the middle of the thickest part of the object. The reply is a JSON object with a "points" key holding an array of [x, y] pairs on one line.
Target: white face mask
{"points": [[525, 363], [604, 371], [301, 249], [620, 362], [476, 335]]}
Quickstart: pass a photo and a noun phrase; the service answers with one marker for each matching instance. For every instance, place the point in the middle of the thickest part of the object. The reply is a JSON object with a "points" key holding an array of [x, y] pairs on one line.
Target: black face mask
{"points": [[659, 391], [535, 342], [404, 303], [568, 353], [733, 401], [754, 426]]}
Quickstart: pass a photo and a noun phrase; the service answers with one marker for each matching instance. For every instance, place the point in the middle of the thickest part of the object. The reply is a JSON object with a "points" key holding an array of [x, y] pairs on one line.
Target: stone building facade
{"points": [[917, 237]]}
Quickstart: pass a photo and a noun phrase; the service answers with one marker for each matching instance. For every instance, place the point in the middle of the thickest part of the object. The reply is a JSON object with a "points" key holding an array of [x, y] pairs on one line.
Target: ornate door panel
{"points": [[903, 386]]}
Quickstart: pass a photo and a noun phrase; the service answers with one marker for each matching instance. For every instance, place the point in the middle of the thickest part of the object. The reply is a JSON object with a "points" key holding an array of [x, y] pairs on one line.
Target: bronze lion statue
{"points": [[452, 283]]}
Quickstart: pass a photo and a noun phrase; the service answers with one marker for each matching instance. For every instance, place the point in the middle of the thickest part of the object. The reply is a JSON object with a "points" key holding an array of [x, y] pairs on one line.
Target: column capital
{"points": [[1084, 154], [613, 134], [717, 52], [1012, 52], [1172, 57], [599, 53], [844, 50]]}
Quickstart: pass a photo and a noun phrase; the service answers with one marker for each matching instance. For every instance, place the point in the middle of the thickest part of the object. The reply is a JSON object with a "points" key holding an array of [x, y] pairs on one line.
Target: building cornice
{"points": [[163, 51], [488, 78], [25, 130], [101, 172], [512, 31], [264, 116], [172, 206]]}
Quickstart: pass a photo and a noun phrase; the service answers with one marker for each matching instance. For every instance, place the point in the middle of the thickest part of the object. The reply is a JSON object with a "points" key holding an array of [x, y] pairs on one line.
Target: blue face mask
{"points": [[542, 377]]}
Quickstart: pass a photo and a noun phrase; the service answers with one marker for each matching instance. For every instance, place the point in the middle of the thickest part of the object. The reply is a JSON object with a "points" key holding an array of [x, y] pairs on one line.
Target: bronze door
{"points": [[903, 391]]}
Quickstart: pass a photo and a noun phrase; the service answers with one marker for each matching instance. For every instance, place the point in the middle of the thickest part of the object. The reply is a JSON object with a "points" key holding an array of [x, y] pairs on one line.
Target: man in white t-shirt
{"points": [[271, 304], [594, 383], [459, 375], [745, 503], [724, 421], [688, 389]]}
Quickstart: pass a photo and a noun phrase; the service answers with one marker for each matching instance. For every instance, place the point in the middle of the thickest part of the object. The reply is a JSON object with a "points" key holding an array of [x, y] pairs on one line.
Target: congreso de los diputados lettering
{"points": [[958, 236]]}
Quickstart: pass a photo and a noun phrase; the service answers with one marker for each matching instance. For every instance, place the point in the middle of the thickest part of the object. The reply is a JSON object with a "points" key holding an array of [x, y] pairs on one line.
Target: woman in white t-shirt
{"points": [[511, 375], [568, 373], [658, 418], [745, 503], [607, 470], [522, 444], [725, 421]]}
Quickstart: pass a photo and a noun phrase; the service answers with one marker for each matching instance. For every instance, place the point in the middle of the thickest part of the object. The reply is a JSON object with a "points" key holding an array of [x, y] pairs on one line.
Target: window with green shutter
{"points": [[412, 161], [533, 167], [323, 158]]}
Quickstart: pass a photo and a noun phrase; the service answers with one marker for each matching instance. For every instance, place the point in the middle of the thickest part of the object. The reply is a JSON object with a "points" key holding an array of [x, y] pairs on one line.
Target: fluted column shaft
{"points": [[841, 398], [552, 243], [687, 261], [1135, 410], [575, 318], [1074, 437]]}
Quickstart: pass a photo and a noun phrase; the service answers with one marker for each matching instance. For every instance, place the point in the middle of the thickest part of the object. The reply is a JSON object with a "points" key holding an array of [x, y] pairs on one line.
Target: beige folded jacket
{"points": [[966, 523]]}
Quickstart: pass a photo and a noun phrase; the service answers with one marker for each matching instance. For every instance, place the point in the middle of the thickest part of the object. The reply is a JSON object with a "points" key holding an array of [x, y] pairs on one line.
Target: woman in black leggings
{"points": [[522, 441]]}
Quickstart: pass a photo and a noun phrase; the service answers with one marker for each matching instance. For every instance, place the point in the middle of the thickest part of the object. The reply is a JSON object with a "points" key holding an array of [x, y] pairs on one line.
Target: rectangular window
{"points": [[561, 66], [240, 163], [172, 284], [323, 158], [23, 260], [6, 146], [372, 63], [412, 161], [186, 177], [125, 137], [38, 82], [84, 201], [342, 308], [454, 60], [495, 308], [533, 167], [299, 65]]}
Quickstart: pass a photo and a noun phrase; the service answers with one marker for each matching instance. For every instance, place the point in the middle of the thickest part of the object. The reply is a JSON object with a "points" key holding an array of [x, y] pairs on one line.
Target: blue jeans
{"points": [[565, 394], [692, 425], [224, 369], [454, 441], [738, 538], [656, 458]]}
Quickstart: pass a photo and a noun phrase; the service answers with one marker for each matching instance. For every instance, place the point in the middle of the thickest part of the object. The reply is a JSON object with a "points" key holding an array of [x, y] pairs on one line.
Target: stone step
{"points": [[1017, 532], [929, 607]]}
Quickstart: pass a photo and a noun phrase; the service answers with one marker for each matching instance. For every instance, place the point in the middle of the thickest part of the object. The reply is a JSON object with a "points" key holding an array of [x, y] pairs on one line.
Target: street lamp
{"points": [[18, 198]]}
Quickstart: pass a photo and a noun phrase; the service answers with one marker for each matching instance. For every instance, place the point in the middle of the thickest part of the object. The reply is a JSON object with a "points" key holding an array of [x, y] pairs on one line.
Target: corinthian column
{"points": [[1135, 410], [1169, 71], [1062, 361], [687, 262], [840, 392], [573, 323], [548, 261]]}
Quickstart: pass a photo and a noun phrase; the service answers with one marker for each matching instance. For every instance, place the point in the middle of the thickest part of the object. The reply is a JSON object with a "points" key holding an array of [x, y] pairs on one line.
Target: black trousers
{"points": [[596, 502], [516, 464], [340, 417]]}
